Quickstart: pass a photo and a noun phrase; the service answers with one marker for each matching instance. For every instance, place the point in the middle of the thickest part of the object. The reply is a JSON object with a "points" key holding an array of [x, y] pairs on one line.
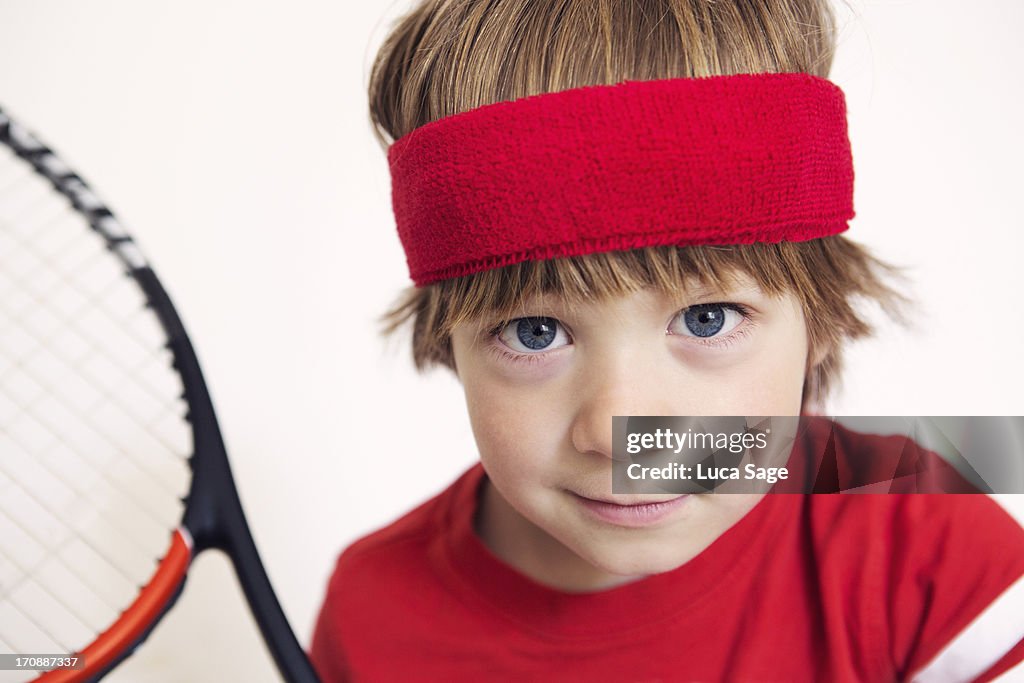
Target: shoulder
{"points": [[400, 553], [383, 579], [897, 530], [954, 589], [910, 519], [923, 571], [410, 535], [397, 537], [910, 523], [830, 457]]}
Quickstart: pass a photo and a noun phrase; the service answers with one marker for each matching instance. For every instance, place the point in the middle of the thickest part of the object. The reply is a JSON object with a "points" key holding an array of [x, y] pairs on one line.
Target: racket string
{"points": [[99, 351], [19, 173], [94, 302], [100, 471], [85, 415], [51, 549], [27, 575], [175, 407], [25, 613], [45, 195], [42, 628], [55, 431], [98, 416], [62, 253], [52, 552]]}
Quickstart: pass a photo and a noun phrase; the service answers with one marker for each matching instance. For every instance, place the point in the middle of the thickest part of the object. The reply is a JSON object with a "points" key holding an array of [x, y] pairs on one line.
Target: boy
{"points": [[654, 232]]}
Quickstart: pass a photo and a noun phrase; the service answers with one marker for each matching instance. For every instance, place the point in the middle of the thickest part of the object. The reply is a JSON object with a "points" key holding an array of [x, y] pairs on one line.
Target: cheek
{"points": [[515, 433], [776, 380], [763, 377], [507, 426], [781, 364]]}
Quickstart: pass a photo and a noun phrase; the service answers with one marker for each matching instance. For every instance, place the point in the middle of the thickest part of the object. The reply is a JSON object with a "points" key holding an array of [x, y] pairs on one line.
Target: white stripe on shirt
{"points": [[982, 643]]}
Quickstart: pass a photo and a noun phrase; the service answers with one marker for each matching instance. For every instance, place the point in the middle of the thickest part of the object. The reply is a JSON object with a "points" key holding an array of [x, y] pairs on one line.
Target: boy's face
{"points": [[541, 395]]}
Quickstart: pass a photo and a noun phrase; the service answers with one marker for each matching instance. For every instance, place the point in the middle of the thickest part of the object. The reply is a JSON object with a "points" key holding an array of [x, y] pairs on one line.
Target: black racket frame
{"points": [[213, 511]]}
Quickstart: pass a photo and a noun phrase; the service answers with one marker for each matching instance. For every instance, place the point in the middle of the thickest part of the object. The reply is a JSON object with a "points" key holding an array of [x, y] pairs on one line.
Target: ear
{"points": [[447, 356], [816, 355]]}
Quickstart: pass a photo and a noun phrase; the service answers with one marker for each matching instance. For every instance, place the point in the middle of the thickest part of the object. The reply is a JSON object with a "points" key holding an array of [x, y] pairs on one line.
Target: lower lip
{"points": [[633, 516]]}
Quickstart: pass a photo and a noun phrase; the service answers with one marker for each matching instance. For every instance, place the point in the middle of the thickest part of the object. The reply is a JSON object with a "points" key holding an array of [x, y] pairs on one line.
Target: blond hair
{"points": [[448, 56]]}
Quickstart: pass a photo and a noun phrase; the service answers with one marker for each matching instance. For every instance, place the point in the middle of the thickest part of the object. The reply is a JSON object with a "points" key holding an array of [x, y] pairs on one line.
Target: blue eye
{"points": [[533, 334], [706, 320]]}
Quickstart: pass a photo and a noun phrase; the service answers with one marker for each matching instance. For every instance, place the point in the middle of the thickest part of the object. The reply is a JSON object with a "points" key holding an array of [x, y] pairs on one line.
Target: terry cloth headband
{"points": [[718, 160]]}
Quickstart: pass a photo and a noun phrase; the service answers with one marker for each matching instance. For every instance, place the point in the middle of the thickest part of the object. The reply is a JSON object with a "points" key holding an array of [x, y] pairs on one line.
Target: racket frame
{"points": [[213, 516]]}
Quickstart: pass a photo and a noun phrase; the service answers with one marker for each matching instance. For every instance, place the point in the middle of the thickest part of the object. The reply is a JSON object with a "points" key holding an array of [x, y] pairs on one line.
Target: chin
{"points": [[632, 561]]}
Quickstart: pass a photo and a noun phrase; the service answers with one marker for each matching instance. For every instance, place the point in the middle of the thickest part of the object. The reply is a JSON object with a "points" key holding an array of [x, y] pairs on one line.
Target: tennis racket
{"points": [[113, 473]]}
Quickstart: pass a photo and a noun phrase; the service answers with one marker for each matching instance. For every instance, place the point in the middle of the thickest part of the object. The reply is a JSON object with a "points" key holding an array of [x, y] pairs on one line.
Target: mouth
{"points": [[630, 513]]}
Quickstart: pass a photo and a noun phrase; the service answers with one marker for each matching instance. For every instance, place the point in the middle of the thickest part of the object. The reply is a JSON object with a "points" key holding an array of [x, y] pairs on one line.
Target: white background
{"points": [[232, 138]]}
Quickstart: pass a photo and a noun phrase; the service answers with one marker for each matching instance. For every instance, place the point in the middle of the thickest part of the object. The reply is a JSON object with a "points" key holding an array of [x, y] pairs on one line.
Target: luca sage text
{"points": [[703, 473]]}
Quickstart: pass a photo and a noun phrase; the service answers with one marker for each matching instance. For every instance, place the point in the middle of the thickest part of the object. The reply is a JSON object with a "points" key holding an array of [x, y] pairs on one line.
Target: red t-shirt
{"points": [[804, 588]]}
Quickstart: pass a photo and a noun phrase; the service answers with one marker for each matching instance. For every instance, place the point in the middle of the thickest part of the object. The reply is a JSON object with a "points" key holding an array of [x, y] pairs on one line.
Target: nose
{"points": [[626, 383]]}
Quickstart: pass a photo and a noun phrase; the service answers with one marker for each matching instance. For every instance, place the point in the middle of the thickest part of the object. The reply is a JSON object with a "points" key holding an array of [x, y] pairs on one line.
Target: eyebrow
{"points": [[701, 291], [696, 293]]}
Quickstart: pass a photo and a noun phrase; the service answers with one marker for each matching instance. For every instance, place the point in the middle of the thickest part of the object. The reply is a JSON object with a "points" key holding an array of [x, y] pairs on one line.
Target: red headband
{"points": [[720, 160]]}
